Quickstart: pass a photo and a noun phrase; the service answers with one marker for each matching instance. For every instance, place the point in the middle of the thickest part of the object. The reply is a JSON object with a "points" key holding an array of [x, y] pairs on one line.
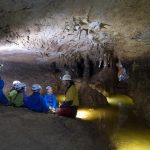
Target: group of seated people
{"points": [[17, 97]]}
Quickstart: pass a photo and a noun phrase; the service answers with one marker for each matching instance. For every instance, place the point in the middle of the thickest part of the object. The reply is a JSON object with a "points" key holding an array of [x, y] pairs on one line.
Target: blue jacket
{"points": [[3, 98], [35, 102], [50, 100]]}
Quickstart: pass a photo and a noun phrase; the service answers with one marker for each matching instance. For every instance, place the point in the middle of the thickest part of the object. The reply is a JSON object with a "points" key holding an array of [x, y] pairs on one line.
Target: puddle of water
{"points": [[132, 138], [116, 100], [90, 114], [127, 133]]}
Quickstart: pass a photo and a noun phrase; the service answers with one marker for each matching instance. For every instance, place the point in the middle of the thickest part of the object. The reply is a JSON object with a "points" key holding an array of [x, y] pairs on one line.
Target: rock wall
{"points": [[139, 87], [68, 25]]}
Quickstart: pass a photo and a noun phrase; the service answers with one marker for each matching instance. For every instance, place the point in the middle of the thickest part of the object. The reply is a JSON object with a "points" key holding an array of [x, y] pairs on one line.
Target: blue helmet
{"points": [[36, 87]]}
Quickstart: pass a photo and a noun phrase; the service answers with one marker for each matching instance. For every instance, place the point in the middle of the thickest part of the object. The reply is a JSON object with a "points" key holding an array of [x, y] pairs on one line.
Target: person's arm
{"points": [[12, 95]]}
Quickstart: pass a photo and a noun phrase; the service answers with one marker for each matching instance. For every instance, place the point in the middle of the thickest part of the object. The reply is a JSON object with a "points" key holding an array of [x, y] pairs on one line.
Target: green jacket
{"points": [[16, 98]]}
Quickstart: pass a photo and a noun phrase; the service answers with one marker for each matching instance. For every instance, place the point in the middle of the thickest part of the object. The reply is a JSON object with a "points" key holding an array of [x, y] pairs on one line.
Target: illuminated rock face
{"points": [[69, 25], [82, 37]]}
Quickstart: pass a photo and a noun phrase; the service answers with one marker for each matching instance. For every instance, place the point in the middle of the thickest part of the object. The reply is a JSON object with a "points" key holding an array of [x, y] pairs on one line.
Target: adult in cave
{"points": [[16, 95], [122, 74], [69, 107], [50, 99], [35, 102], [3, 98], [14, 84]]}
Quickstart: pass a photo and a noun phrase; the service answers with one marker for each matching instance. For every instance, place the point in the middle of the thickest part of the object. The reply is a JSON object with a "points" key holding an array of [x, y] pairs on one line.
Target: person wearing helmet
{"points": [[14, 84], [3, 98], [35, 102], [69, 107], [16, 96], [50, 99], [122, 73]]}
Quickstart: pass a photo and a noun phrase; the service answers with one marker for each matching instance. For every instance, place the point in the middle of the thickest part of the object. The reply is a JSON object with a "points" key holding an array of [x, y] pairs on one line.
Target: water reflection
{"points": [[126, 131], [117, 100], [91, 114]]}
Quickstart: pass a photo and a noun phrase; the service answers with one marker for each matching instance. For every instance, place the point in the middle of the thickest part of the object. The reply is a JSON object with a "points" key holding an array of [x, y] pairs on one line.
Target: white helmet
{"points": [[19, 86], [36, 87], [16, 82], [66, 77], [48, 87]]}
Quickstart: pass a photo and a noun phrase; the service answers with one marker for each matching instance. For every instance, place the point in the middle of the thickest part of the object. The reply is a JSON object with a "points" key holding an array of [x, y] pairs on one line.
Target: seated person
{"points": [[3, 98], [14, 84], [50, 99], [35, 102], [69, 107], [16, 96]]}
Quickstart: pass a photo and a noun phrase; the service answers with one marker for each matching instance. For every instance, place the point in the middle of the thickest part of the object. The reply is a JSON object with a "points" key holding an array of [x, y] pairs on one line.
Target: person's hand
{"points": [[50, 108], [60, 103], [53, 110]]}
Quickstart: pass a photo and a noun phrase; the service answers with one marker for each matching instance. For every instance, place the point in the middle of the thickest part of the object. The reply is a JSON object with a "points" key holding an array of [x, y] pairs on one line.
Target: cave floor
{"points": [[25, 130]]}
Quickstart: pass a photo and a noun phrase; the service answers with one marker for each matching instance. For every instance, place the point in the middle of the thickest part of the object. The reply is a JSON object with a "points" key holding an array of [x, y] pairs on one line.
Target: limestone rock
{"points": [[91, 98]]}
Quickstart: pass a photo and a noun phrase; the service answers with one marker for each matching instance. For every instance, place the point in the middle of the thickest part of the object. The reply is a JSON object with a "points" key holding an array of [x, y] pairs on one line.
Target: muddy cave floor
{"points": [[25, 130]]}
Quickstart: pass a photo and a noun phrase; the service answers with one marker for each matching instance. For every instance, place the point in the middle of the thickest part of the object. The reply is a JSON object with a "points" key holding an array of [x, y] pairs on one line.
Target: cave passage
{"points": [[104, 45]]}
